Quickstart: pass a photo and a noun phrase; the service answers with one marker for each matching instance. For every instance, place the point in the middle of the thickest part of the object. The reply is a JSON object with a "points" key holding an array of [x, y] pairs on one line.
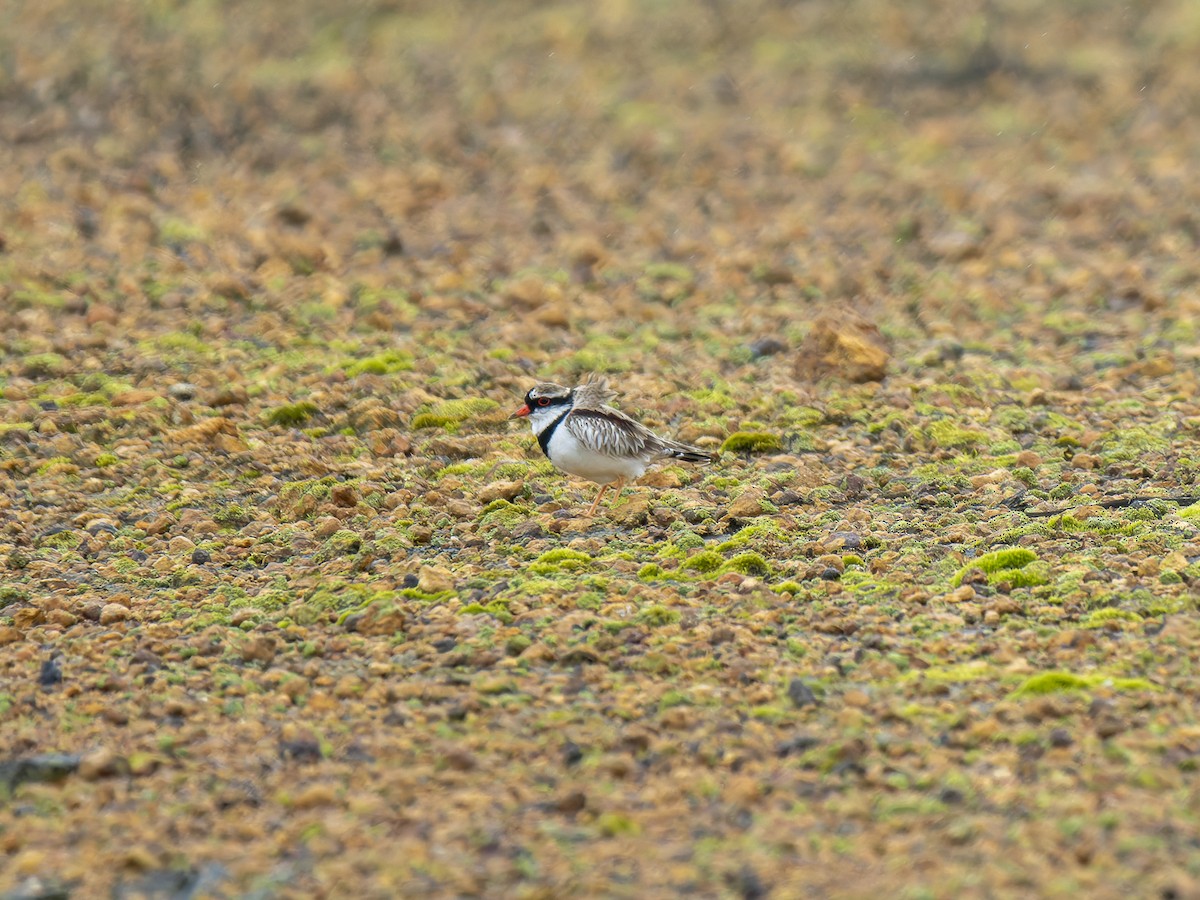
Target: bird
{"points": [[582, 435]]}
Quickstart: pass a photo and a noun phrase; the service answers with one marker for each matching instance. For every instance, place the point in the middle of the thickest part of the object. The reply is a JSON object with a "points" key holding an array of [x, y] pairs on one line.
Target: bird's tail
{"points": [[687, 453]]}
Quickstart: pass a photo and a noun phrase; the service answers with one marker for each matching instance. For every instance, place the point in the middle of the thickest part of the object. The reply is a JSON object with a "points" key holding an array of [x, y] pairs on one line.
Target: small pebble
{"points": [[51, 673], [801, 694], [111, 613]]}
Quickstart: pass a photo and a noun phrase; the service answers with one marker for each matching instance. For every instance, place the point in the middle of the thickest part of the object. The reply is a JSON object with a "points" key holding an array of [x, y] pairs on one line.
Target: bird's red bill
{"points": [[523, 411]]}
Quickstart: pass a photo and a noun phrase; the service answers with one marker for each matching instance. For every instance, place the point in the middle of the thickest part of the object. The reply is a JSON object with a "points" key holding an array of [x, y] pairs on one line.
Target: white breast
{"points": [[568, 454]]}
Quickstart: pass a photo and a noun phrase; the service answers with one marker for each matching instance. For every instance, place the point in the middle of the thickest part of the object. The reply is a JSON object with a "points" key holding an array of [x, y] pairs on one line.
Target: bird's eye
{"points": [[543, 401]]}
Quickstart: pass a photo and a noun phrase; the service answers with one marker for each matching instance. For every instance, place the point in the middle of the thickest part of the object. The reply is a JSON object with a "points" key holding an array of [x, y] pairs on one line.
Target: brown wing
{"points": [[594, 393], [612, 433]]}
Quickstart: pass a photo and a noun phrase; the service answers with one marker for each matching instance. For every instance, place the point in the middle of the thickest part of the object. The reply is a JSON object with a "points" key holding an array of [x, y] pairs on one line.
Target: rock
{"points": [[579, 655], [315, 795], [183, 390], [229, 396], [8, 635], [571, 803], [100, 312], [767, 346], [831, 561], [377, 620], [722, 635], [38, 888], [747, 885], [801, 694], [158, 525], [845, 345], [996, 476], [47, 768], [960, 594], [460, 509], [538, 652], [572, 754], [1060, 737], [954, 245], [434, 579], [133, 398], [51, 673], [101, 763], [633, 512], [856, 698], [62, 618], [260, 648], [1029, 459], [200, 557], [747, 505], [344, 495], [842, 540], [796, 745], [301, 748], [90, 610], [111, 613], [500, 490], [460, 760]]}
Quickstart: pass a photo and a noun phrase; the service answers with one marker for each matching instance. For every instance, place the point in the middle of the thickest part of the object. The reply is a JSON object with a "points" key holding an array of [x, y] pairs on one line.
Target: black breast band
{"points": [[548, 432]]}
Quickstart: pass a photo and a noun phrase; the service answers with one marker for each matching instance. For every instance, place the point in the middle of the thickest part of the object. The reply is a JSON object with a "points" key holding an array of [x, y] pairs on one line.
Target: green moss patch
{"points": [[449, 414], [752, 442], [946, 434], [1065, 682], [748, 564], [385, 363], [291, 415], [1008, 565]]}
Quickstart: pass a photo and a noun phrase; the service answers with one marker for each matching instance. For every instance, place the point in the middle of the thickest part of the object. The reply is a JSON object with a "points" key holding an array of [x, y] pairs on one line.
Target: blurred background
{"points": [[587, 179]]}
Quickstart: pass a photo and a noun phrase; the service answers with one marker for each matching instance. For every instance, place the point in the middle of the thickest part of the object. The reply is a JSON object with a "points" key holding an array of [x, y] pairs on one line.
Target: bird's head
{"points": [[545, 397]]}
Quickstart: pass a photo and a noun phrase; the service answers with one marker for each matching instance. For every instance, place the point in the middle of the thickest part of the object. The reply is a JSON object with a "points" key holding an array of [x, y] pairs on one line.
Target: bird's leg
{"points": [[591, 512], [621, 482]]}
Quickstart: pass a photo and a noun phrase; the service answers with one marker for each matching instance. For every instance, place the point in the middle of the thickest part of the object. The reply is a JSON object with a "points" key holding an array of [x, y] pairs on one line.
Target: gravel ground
{"points": [[290, 608]]}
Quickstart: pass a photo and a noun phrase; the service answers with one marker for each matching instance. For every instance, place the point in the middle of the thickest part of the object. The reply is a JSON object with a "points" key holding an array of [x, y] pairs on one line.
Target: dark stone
{"points": [[747, 885], [572, 803], [173, 884], [410, 580], [801, 694], [831, 574], [850, 540], [51, 673], [304, 750], [797, 745], [200, 557], [445, 645], [37, 888], [356, 752], [47, 768], [1060, 737], [767, 346], [855, 485], [951, 796], [572, 753]]}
